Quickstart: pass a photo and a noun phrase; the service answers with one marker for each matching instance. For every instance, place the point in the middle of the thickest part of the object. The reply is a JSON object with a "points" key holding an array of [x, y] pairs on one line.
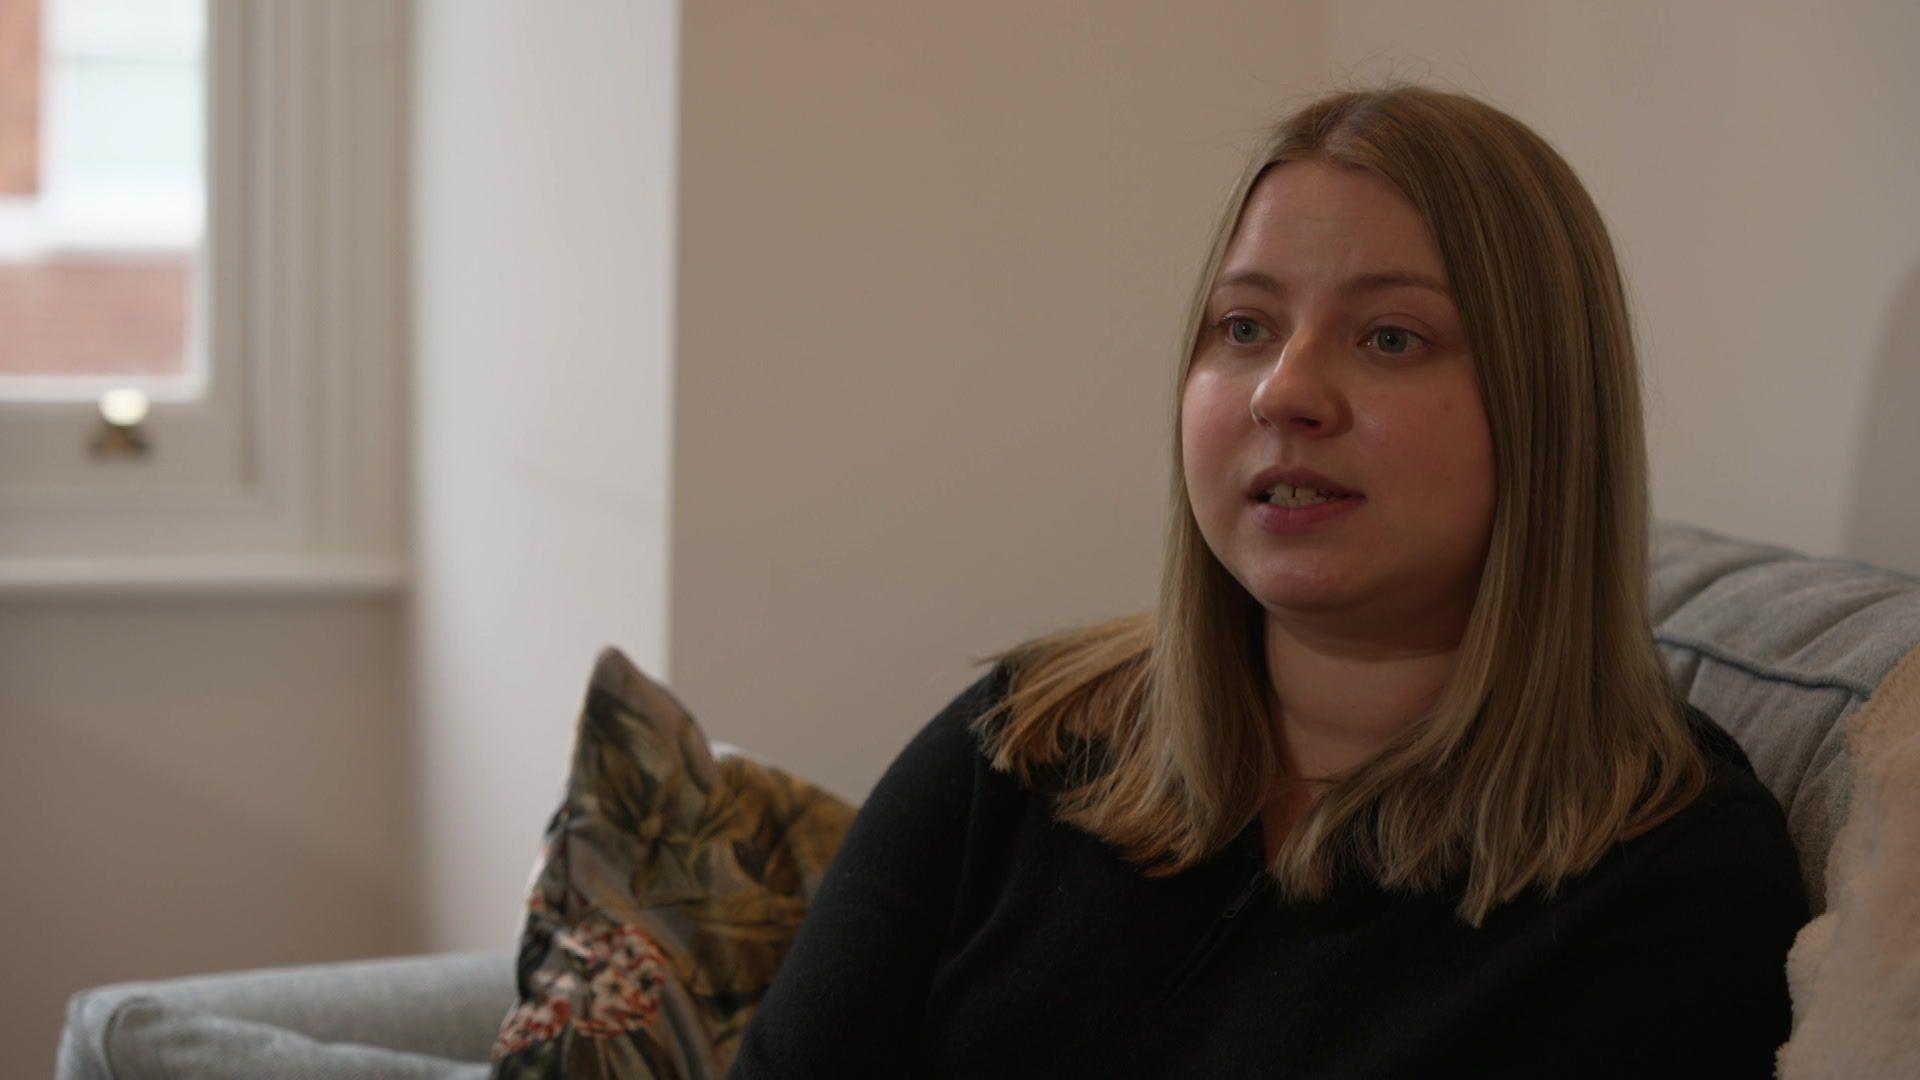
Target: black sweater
{"points": [[961, 931]]}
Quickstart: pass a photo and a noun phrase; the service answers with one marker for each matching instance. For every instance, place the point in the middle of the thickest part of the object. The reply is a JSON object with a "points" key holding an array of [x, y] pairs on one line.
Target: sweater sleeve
{"points": [[1687, 974], [849, 996]]}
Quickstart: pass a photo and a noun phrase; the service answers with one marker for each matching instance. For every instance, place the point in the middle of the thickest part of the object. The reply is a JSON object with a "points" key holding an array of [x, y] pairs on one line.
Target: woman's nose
{"points": [[1298, 392]]}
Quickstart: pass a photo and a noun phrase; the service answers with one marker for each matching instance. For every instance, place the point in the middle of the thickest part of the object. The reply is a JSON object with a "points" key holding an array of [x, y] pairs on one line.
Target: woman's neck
{"points": [[1336, 704]]}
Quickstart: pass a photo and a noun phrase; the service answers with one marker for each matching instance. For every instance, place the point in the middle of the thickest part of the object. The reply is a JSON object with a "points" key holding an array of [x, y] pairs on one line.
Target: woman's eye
{"points": [[1395, 340], [1392, 340], [1231, 322]]}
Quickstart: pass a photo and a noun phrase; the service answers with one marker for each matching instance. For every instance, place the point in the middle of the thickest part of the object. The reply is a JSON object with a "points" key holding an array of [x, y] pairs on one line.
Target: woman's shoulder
{"points": [[953, 752], [1722, 748], [951, 740], [937, 782], [957, 725], [1735, 796], [964, 735], [1731, 840]]}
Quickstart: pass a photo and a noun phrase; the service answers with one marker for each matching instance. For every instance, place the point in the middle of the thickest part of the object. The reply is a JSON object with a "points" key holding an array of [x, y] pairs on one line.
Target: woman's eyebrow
{"points": [[1352, 287]]}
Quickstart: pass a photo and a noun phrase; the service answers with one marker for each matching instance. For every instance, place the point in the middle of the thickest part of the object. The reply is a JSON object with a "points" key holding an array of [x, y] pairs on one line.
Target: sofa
{"points": [[1812, 664]]}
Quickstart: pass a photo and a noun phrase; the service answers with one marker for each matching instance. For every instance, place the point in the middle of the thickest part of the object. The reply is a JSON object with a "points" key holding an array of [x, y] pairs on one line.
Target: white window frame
{"points": [[289, 474]]}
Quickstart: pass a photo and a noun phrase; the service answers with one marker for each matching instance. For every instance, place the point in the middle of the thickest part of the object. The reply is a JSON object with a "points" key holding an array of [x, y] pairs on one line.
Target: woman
{"points": [[1393, 781]]}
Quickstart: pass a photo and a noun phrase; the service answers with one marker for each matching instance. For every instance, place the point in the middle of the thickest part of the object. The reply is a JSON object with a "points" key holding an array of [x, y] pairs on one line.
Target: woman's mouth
{"points": [[1301, 514], [1290, 496]]}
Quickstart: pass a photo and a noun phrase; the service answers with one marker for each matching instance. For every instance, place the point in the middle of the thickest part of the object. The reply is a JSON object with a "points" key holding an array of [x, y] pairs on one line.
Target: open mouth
{"points": [[1284, 496]]}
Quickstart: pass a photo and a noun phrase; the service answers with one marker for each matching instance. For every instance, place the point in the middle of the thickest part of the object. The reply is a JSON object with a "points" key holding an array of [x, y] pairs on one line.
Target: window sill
{"points": [[279, 576]]}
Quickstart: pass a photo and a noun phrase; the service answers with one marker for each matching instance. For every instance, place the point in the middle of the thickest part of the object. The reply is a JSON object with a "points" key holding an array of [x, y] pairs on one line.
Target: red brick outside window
{"points": [[19, 97]]}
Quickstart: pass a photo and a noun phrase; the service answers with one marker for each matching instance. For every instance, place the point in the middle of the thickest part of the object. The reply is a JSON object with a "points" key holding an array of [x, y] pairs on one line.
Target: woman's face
{"points": [[1305, 361]]}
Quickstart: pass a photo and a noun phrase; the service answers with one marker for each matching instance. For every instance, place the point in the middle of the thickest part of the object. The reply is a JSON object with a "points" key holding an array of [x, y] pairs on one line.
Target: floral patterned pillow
{"points": [[672, 881]]}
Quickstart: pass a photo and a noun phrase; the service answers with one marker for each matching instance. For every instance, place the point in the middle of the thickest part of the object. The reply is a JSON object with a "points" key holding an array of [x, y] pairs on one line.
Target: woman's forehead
{"points": [[1316, 221]]}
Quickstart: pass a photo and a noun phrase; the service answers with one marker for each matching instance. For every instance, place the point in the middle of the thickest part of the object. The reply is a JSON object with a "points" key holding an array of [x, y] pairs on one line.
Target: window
{"points": [[201, 200]]}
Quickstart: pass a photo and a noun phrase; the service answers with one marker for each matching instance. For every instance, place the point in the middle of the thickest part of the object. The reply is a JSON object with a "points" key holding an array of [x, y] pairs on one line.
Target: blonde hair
{"points": [[1558, 733]]}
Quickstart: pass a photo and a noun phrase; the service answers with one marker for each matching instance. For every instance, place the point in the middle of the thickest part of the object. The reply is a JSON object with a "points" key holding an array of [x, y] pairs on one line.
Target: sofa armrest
{"points": [[407, 1013]]}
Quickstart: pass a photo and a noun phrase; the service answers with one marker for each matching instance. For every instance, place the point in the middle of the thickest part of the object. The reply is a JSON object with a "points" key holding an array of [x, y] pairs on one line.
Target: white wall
{"points": [[543, 225]]}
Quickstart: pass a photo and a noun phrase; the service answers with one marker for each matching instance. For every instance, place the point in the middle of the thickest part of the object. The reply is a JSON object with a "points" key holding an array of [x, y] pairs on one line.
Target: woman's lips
{"points": [[1296, 519]]}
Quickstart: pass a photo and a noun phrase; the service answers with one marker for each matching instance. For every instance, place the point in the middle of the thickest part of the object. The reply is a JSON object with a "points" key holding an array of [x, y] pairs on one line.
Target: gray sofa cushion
{"points": [[413, 1016], [1780, 647], [151, 1041]]}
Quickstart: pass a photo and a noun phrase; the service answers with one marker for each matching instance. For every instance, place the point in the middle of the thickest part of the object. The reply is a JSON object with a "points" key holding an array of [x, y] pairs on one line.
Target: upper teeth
{"points": [[1298, 496]]}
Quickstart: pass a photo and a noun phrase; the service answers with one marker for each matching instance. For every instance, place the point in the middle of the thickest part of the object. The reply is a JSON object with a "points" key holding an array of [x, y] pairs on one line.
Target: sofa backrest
{"points": [[1780, 648]]}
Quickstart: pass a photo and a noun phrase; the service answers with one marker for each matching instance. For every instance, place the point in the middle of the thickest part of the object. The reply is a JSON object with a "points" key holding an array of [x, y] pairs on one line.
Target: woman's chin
{"points": [[1304, 598]]}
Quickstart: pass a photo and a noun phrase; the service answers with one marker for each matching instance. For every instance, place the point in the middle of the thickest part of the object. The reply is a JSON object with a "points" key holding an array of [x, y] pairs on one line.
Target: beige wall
{"points": [[931, 262]]}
